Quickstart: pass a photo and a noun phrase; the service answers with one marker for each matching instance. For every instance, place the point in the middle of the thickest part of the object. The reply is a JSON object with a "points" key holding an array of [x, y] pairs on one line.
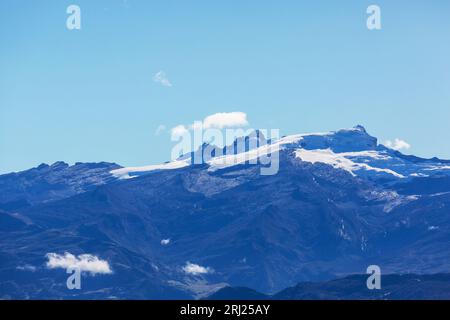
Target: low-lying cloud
{"points": [[83, 262], [165, 242], [195, 269]]}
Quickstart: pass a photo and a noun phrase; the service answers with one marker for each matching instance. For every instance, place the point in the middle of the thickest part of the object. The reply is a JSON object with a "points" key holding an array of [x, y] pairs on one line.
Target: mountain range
{"points": [[339, 202]]}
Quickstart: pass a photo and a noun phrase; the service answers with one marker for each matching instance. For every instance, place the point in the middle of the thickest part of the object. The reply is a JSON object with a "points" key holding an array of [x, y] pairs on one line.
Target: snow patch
{"points": [[339, 160], [433, 168], [124, 173]]}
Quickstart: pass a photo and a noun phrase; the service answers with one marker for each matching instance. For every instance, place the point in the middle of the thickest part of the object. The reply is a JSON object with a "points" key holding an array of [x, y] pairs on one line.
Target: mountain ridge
{"points": [[318, 217]]}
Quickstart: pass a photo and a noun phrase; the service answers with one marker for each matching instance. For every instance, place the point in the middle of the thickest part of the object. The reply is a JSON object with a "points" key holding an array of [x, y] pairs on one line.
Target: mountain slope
{"points": [[332, 209]]}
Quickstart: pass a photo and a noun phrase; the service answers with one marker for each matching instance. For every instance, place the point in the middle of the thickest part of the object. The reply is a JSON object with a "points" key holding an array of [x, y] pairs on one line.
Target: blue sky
{"points": [[301, 66]]}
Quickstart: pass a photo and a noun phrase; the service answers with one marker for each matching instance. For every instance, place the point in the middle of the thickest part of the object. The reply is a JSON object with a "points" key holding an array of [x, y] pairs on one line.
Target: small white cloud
{"points": [[26, 267], [161, 78], [160, 129], [223, 120], [397, 144], [84, 262], [178, 131], [165, 242], [195, 269]]}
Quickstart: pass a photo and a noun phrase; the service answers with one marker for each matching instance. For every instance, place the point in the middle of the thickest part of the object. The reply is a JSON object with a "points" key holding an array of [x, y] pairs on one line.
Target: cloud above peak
{"points": [[161, 78], [223, 120], [397, 144], [220, 120]]}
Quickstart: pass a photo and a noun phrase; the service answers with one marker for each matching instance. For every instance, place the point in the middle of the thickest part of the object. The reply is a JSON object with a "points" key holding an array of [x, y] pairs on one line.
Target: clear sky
{"points": [[301, 66]]}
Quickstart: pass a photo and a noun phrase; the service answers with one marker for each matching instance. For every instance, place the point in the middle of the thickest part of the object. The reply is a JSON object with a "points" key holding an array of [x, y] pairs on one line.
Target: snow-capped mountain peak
{"points": [[353, 150]]}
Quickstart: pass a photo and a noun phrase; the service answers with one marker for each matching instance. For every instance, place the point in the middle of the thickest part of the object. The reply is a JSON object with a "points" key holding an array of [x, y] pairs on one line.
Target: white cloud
{"points": [[165, 242], [178, 131], [161, 78], [397, 144], [223, 120], [160, 129], [84, 262], [219, 120], [195, 269]]}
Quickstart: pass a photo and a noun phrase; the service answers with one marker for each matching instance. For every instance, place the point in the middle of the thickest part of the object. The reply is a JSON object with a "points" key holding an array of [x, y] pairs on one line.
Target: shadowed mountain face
{"points": [[394, 287], [338, 203]]}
